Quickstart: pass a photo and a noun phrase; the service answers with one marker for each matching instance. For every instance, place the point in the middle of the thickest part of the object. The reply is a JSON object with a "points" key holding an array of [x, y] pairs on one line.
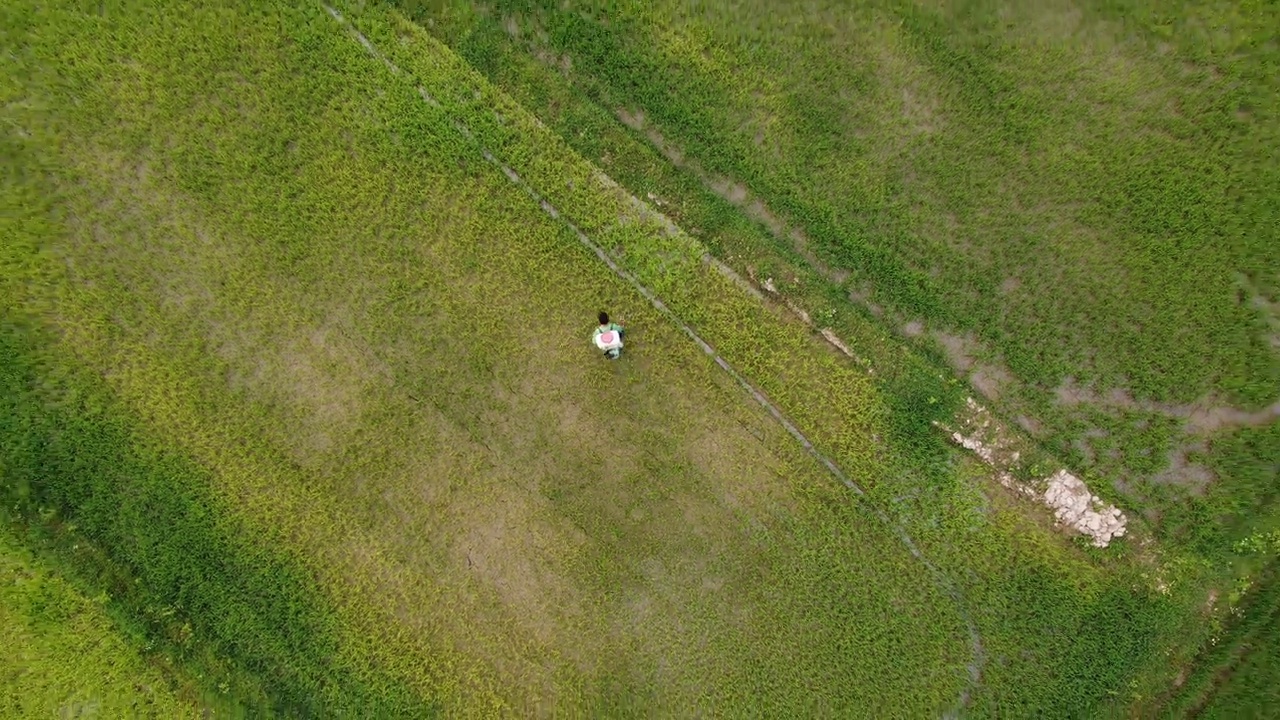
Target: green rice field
{"points": [[300, 417]]}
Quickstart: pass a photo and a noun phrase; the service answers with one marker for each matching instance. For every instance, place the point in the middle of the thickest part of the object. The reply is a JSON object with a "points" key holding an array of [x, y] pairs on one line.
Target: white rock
{"points": [[1074, 505], [1065, 494]]}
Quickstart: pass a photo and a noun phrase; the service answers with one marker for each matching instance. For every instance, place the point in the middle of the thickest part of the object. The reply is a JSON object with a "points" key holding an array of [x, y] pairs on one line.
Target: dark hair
{"points": [[603, 317]]}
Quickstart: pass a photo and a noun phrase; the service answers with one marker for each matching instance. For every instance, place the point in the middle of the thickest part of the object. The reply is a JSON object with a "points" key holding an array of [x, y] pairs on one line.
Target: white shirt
{"points": [[609, 340]]}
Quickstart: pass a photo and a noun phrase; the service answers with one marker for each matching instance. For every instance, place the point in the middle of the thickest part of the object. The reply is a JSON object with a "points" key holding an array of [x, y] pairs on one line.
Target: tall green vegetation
{"points": [[162, 552], [1236, 676], [64, 654]]}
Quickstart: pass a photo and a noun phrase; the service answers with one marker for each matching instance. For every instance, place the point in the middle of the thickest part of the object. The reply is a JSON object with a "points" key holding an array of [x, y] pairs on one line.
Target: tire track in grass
{"points": [[940, 578]]}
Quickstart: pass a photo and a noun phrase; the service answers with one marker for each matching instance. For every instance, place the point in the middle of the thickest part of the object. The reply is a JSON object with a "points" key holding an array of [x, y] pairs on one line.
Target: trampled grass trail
{"points": [[944, 582]]}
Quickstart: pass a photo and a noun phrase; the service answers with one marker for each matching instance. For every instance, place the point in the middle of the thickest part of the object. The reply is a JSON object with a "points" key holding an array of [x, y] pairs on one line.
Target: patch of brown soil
{"points": [[1183, 473], [1208, 419], [1201, 418], [317, 376], [511, 547], [1030, 424], [961, 350], [990, 380], [741, 471]]}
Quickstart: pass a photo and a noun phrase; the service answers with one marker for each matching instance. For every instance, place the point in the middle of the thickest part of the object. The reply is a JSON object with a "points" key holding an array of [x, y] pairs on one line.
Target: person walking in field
{"points": [[608, 336]]}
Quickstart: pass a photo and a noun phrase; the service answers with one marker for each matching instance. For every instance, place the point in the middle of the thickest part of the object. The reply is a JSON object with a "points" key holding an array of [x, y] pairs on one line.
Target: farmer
{"points": [[608, 336]]}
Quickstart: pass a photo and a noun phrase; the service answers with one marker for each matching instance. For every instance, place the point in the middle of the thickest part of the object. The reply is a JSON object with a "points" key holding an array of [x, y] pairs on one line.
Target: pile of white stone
{"points": [[988, 455], [1067, 495], [1073, 505]]}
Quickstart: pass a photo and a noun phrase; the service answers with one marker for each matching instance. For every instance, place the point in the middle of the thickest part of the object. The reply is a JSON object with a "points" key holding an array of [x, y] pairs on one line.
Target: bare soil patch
{"points": [[1204, 417]]}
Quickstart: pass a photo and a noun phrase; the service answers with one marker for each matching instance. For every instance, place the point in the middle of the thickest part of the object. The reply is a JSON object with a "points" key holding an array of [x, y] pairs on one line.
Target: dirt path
{"points": [[941, 579]]}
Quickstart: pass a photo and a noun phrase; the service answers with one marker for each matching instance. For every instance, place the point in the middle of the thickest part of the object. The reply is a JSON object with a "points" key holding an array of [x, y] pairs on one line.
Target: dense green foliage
{"points": [[164, 553], [1236, 676], [1115, 210], [63, 653], [1250, 689]]}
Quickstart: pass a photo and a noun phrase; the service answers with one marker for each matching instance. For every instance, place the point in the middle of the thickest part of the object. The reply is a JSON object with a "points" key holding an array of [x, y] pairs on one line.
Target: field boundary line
{"points": [[941, 579]]}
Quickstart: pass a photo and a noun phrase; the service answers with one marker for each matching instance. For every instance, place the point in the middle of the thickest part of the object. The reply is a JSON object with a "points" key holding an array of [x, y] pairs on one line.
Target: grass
{"points": [[311, 379], [312, 299], [63, 653], [1251, 687], [938, 505], [668, 106], [135, 523], [1236, 675], [861, 124], [1063, 189]]}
